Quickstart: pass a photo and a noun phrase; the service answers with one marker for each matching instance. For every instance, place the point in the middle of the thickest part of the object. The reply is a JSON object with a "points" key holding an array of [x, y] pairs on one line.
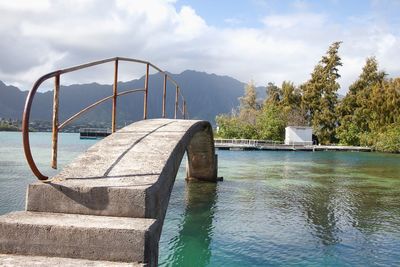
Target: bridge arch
{"points": [[130, 174]]}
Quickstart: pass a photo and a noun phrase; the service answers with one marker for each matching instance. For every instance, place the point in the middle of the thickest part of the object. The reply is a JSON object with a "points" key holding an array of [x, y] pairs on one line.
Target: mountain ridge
{"points": [[207, 95]]}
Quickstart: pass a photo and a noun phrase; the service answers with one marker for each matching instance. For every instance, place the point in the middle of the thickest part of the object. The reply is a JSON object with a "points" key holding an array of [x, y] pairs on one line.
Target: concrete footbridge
{"points": [[109, 204], [107, 207]]}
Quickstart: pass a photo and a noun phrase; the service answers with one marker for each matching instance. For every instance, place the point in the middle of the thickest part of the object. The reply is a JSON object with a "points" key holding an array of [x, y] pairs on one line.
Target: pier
{"points": [[94, 133], [252, 144]]}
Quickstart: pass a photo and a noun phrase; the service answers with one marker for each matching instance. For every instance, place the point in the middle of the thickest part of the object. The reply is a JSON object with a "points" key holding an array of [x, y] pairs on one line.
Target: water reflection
{"points": [[192, 247], [321, 216]]}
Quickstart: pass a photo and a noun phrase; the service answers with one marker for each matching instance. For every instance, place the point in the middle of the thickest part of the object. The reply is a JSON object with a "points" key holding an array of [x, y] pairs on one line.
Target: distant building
{"points": [[298, 135]]}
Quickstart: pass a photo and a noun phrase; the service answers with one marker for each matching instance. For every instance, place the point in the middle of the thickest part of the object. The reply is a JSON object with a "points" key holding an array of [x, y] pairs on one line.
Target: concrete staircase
{"points": [[75, 236], [11, 260]]}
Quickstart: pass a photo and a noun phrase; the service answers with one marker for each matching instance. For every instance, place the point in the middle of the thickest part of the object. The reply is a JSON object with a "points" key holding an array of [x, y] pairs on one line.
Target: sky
{"points": [[260, 40]]}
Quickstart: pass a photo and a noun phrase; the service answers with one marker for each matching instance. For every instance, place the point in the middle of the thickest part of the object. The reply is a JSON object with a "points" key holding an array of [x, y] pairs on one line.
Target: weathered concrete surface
{"points": [[76, 236], [127, 179], [129, 173], [8, 260]]}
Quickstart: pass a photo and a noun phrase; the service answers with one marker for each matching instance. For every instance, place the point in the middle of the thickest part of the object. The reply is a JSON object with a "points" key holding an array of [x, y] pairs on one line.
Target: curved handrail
{"points": [[57, 127], [25, 125]]}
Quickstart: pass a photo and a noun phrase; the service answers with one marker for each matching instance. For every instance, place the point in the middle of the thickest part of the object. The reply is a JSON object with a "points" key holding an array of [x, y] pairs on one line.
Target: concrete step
{"points": [[9, 260], [78, 236]]}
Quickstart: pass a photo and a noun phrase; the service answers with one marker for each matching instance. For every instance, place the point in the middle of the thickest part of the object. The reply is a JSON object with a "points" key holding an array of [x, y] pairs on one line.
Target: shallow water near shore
{"points": [[274, 208]]}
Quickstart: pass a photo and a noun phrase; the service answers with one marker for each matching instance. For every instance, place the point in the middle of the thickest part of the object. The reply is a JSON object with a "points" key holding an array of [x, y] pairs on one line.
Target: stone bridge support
{"points": [[202, 161]]}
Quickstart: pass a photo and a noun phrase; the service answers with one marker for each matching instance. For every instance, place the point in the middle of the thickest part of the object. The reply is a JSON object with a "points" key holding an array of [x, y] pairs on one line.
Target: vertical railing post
{"points": [[54, 143], [164, 95], [114, 102], [184, 109], [176, 101], [146, 91]]}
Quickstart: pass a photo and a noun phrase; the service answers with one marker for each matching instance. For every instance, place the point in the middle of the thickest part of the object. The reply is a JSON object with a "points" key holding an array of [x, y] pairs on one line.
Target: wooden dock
{"points": [[250, 144], [94, 133]]}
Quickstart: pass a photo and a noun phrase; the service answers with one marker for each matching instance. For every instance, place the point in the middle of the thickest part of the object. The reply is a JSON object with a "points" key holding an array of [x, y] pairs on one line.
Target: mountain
{"points": [[11, 101], [207, 95]]}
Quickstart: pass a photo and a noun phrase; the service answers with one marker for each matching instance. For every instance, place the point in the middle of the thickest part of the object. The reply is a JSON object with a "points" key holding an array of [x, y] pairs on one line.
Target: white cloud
{"points": [[56, 34], [308, 20], [189, 24], [25, 5]]}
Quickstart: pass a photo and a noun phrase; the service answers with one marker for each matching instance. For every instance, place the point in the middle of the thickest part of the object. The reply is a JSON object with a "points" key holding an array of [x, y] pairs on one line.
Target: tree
{"points": [[319, 96], [291, 105], [249, 100], [370, 112], [232, 127], [389, 139], [312, 92], [290, 96], [368, 115], [356, 109], [241, 124], [249, 107], [271, 123], [274, 94], [384, 104]]}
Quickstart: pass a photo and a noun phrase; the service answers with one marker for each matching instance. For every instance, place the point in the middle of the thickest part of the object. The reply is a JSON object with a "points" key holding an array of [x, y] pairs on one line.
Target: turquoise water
{"points": [[288, 209], [272, 209], [15, 174]]}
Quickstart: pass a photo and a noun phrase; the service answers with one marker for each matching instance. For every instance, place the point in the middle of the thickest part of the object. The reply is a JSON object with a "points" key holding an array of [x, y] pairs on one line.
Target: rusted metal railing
{"points": [[57, 126]]}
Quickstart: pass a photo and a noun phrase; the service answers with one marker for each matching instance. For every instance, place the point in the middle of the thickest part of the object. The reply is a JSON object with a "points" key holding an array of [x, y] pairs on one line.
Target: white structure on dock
{"points": [[298, 135]]}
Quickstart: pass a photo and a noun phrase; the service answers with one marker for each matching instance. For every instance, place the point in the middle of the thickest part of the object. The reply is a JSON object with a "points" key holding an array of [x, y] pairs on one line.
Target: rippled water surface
{"points": [[15, 174], [288, 209], [272, 209]]}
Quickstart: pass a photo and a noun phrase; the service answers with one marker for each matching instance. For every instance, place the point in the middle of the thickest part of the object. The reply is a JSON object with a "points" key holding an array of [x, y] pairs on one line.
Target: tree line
{"points": [[369, 114]]}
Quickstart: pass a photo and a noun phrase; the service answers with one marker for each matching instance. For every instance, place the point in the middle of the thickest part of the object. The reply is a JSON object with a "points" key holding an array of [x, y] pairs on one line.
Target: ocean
{"points": [[274, 208]]}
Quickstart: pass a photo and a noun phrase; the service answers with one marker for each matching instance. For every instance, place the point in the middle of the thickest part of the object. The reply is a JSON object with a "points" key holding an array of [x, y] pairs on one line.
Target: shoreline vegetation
{"points": [[9, 129], [10, 125], [369, 114]]}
